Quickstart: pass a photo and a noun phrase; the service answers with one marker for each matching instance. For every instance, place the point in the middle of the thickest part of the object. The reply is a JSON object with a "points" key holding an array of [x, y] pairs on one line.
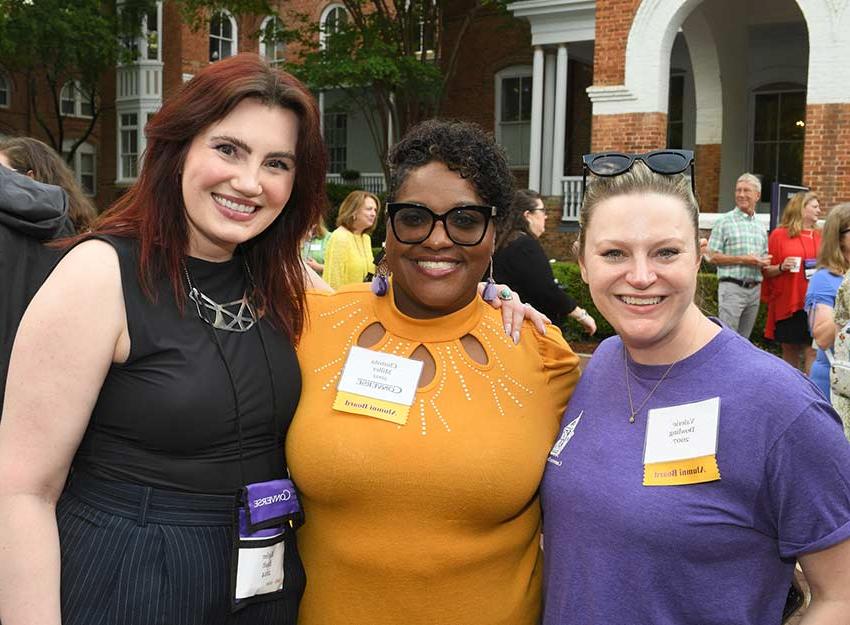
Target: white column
{"points": [[560, 120], [536, 121], [548, 123]]}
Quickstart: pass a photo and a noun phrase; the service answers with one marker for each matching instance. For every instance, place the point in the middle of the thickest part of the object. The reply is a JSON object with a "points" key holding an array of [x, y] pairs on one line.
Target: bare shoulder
{"points": [[83, 294], [94, 262]]}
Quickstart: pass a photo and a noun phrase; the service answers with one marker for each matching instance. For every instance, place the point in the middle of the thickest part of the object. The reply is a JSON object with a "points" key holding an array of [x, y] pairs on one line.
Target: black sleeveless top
{"points": [[167, 417]]}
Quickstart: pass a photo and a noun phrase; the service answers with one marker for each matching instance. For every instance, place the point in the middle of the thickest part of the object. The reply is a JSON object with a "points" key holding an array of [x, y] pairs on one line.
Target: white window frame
{"points": [[77, 99], [122, 153], [141, 42], [145, 36], [515, 71], [233, 28], [264, 45], [326, 13], [84, 148], [429, 53], [775, 87], [6, 88], [344, 138]]}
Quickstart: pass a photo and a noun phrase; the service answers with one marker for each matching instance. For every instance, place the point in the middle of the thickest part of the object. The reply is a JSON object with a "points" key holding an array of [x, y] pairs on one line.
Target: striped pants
{"points": [[133, 555]]}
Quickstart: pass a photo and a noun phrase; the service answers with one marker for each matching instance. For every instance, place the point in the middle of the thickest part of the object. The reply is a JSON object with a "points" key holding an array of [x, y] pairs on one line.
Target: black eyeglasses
{"points": [[464, 225], [664, 162]]}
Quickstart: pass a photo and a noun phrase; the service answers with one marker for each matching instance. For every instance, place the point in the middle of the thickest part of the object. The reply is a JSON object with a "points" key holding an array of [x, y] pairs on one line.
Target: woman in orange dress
{"points": [[794, 247]]}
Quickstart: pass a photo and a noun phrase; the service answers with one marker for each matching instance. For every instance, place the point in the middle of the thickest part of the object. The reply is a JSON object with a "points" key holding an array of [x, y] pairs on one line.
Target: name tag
{"points": [[377, 385], [810, 267], [681, 444]]}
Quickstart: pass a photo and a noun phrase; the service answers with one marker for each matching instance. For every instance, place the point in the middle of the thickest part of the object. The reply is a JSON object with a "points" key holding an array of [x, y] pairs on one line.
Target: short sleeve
{"points": [[717, 239], [821, 290], [560, 363], [805, 495], [842, 302]]}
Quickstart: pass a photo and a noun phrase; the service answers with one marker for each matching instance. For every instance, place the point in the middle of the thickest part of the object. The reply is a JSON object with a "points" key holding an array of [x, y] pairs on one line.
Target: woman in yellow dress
{"points": [[348, 257], [432, 517]]}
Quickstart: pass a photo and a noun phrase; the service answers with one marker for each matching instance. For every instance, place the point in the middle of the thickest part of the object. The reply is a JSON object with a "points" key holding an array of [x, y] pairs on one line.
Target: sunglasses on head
{"points": [[664, 162]]}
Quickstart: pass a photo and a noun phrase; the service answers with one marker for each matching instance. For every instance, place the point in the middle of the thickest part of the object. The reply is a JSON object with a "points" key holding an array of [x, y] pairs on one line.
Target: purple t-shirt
{"points": [[715, 553]]}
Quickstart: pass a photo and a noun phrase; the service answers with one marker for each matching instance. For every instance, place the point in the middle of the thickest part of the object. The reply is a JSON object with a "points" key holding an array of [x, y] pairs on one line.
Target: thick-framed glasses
{"points": [[664, 162], [465, 225]]}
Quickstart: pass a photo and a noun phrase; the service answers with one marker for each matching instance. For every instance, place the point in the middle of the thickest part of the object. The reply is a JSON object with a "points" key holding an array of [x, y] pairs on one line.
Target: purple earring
{"points": [[380, 283], [489, 293]]}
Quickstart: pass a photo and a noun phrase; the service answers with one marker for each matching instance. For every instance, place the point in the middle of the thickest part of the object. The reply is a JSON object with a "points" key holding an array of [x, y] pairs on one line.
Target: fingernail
{"points": [[516, 337], [508, 329]]}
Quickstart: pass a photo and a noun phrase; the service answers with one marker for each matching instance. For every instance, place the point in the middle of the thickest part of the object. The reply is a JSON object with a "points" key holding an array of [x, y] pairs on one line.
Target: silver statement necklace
{"points": [[629, 388], [236, 316]]}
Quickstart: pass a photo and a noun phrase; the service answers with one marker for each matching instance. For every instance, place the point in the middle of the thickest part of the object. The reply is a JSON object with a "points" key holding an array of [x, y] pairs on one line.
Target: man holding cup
{"points": [[738, 246]]}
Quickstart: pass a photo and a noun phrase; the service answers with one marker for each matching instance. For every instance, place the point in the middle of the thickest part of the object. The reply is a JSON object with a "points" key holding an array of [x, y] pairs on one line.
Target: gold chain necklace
{"points": [[654, 388]]}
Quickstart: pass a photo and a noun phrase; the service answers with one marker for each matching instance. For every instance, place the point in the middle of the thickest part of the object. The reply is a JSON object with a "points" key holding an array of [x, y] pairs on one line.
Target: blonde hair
{"points": [[638, 179], [351, 204], [831, 256], [792, 215]]}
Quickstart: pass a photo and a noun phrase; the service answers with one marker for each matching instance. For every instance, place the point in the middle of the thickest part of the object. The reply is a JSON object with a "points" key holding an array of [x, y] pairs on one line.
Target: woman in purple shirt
{"points": [[692, 469]]}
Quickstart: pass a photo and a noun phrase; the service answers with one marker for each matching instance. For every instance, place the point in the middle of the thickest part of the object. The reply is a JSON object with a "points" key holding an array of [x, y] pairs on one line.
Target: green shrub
{"points": [[569, 276]]}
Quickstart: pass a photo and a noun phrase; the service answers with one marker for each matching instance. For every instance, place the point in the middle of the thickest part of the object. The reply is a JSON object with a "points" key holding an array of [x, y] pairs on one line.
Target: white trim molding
{"points": [[558, 21]]}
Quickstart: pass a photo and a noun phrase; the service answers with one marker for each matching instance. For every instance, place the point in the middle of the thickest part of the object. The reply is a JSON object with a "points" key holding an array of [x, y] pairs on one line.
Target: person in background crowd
{"points": [[31, 214], [432, 517], [348, 257], [693, 468], [315, 245], [156, 364], [793, 247], [833, 262], [521, 263], [841, 315], [39, 161], [738, 246]]}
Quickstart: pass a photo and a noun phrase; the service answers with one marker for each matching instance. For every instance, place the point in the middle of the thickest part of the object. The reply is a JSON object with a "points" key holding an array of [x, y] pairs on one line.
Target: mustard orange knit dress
{"points": [[436, 521]]}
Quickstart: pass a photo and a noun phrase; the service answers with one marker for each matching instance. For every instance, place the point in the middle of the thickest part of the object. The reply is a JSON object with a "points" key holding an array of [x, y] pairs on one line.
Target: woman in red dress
{"points": [[794, 247]]}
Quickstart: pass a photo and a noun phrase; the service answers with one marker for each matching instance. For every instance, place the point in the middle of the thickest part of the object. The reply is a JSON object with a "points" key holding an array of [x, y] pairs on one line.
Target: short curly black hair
{"points": [[463, 147]]}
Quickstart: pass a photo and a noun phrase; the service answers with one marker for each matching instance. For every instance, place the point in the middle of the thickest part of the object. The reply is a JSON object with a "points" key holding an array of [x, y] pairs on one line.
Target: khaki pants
{"points": [[738, 307]]}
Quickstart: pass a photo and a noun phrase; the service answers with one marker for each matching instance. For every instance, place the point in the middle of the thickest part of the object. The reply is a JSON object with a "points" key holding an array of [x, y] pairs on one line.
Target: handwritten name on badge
{"points": [[681, 444], [377, 385]]}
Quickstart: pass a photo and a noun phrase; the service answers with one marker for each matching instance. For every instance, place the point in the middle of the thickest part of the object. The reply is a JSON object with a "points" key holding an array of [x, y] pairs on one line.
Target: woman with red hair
{"points": [[155, 370]]}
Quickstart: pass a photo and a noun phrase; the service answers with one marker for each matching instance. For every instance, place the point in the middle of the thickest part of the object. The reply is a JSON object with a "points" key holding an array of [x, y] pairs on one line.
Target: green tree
{"points": [[390, 59], [52, 42]]}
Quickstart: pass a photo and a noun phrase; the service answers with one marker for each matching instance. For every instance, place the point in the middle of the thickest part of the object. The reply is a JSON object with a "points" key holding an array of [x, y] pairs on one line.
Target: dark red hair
{"points": [[152, 210]]}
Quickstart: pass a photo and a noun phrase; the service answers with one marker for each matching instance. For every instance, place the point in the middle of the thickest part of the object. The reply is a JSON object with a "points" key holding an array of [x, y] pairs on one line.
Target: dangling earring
{"points": [[489, 293], [380, 283]]}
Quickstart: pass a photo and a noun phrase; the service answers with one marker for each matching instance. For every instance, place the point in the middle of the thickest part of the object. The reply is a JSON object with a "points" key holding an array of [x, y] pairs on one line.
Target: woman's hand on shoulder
{"points": [[514, 311], [72, 331]]}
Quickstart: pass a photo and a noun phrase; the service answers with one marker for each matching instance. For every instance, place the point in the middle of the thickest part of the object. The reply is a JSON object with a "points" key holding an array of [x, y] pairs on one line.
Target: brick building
{"points": [[752, 85], [749, 85]]}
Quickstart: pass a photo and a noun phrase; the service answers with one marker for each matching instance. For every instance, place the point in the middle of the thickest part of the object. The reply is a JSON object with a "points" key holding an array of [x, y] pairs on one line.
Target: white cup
{"points": [[796, 262]]}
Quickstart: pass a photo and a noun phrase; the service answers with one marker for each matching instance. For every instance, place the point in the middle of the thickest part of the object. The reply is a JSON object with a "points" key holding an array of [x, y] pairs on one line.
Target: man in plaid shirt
{"points": [[738, 246]]}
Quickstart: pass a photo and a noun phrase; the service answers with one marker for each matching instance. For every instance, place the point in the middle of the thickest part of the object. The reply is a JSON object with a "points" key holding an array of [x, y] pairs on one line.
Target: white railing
{"points": [[373, 183], [139, 80], [571, 190]]}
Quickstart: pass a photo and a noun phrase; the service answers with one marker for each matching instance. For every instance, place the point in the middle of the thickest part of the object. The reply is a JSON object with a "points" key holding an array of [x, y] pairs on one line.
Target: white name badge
{"points": [[259, 570], [681, 444], [378, 385]]}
